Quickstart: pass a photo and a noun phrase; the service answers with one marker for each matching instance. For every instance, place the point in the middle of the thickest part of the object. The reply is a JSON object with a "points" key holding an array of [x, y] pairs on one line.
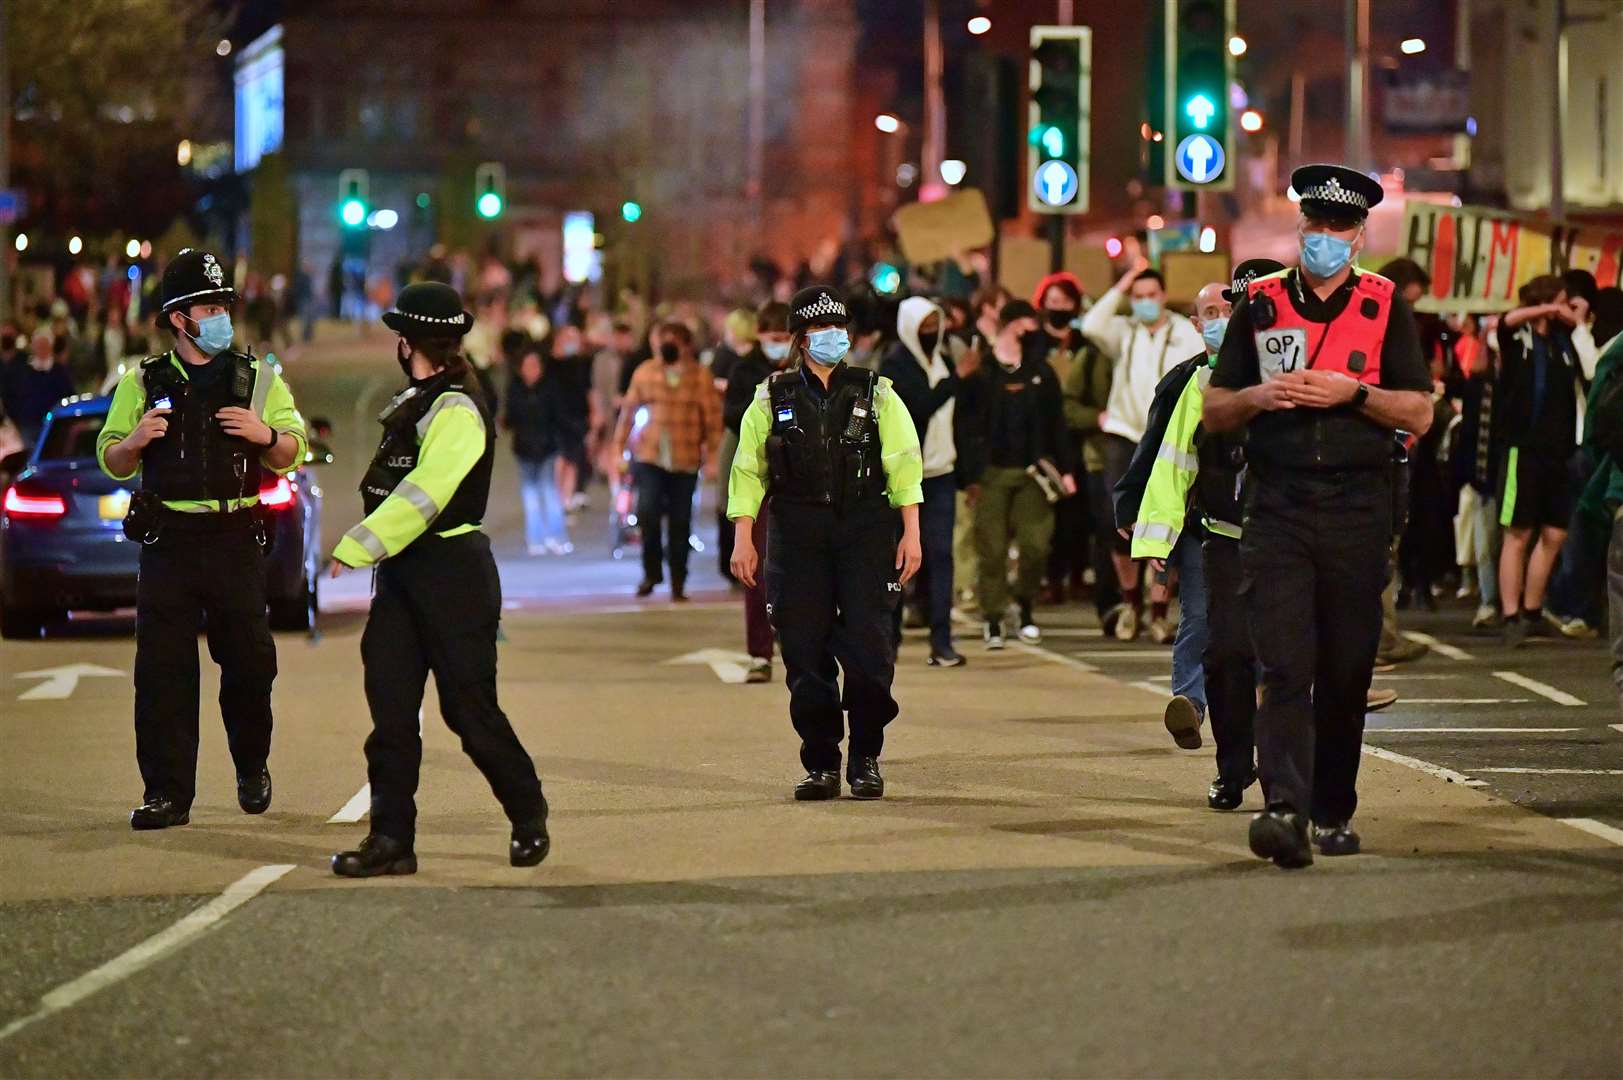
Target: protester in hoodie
{"points": [[770, 354], [1142, 347], [1029, 464], [928, 386]]}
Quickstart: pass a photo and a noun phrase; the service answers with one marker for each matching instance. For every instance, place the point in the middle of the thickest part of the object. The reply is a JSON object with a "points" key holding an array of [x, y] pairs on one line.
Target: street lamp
{"points": [[1237, 45], [1413, 46], [223, 48], [1156, 221], [22, 241], [953, 172], [979, 25], [887, 123], [75, 245], [132, 249], [1251, 121]]}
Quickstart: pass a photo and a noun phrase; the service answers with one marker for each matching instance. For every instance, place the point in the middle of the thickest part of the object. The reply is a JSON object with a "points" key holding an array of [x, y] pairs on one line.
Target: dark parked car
{"points": [[62, 543]]}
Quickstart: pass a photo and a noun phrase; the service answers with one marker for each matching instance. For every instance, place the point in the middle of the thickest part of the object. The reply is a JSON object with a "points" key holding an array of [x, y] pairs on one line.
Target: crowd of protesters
{"points": [[1028, 411]]}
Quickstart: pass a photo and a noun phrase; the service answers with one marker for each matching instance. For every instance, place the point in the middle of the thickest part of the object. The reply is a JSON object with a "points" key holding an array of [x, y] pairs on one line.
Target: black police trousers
{"points": [[1314, 557], [189, 577], [1229, 664], [435, 607], [832, 591]]}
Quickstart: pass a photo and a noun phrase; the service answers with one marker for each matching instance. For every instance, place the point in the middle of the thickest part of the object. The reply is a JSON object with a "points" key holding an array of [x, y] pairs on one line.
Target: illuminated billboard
{"points": [[259, 99]]}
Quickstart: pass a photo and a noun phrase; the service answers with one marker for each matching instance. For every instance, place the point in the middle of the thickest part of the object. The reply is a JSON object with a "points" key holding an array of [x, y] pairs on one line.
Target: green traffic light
{"points": [[1053, 140], [630, 211], [489, 205], [1200, 109], [353, 212]]}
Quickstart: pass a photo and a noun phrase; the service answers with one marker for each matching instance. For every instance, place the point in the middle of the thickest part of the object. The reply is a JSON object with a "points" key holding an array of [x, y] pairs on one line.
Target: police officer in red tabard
{"points": [[1321, 364]]}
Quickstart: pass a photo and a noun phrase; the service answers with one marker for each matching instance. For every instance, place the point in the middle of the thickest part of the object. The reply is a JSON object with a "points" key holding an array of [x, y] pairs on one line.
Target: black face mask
{"points": [[403, 355], [928, 342], [670, 353], [1059, 318]]}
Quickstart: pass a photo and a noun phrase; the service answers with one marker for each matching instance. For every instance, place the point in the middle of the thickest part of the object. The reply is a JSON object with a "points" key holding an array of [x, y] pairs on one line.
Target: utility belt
{"points": [[148, 521]]}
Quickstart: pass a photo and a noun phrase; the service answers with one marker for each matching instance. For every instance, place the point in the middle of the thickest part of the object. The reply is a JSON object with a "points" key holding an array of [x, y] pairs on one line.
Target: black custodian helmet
{"points": [[194, 277], [428, 309]]}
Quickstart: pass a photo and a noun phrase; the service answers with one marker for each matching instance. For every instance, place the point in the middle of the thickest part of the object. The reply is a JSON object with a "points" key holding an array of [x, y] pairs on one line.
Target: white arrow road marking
{"points": [[729, 666], [355, 809], [1424, 766], [153, 948], [61, 681], [1442, 648], [1596, 828]]}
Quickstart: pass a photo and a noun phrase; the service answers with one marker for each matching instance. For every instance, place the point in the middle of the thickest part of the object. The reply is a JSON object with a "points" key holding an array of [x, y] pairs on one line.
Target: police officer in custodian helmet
{"points": [[203, 425], [437, 598], [1321, 364], [837, 453]]}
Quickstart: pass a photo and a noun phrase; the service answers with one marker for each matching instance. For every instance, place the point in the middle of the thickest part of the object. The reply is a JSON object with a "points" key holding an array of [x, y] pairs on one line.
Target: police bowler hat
{"points": [[428, 309]]}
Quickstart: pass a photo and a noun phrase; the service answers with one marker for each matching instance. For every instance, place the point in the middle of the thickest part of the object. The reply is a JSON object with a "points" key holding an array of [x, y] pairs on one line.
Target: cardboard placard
{"points": [[1022, 261], [1187, 272], [932, 231]]}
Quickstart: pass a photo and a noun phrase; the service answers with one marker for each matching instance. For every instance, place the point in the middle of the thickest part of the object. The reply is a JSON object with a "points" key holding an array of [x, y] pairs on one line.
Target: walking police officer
{"points": [[836, 451], [437, 599], [202, 424], [1321, 364]]}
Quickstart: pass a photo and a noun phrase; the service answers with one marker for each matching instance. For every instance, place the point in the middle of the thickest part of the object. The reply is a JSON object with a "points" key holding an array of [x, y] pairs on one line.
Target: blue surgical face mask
{"points": [[1211, 332], [213, 333], [828, 346], [1146, 311], [775, 350], [1324, 255]]}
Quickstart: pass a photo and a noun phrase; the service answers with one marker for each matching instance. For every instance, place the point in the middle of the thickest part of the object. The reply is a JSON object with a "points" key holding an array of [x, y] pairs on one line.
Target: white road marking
{"points": [[1442, 648], [355, 809], [729, 666], [1596, 828], [1417, 677], [1154, 688], [1424, 766], [60, 682], [1560, 697], [1467, 730], [1616, 727], [1520, 770], [153, 948], [1463, 701], [1120, 654], [1051, 656], [1072, 632]]}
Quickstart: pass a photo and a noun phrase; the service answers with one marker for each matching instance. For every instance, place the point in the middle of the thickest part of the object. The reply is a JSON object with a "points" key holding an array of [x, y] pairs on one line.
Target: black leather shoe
{"points": [[159, 814], [863, 776], [818, 785], [1226, 794], [1282, 837], [531, 842], [254, 792], [679, 590], [646, 587], [377, 855], [1182, 722], [1332, 840]]}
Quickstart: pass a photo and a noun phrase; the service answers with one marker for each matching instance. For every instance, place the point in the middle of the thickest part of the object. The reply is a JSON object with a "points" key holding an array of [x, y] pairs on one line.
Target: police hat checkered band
{"points": [[449, 320], [823, 305], [1331, 191]]}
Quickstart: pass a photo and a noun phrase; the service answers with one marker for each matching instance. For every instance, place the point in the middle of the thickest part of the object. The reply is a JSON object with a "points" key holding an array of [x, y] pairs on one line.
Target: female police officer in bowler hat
{"points": [[437, 598], [837, 453]]}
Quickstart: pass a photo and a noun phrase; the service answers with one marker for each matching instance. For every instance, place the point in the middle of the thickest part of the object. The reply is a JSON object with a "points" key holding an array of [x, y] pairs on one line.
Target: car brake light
{"points": [[278, 496], [34, 504]]}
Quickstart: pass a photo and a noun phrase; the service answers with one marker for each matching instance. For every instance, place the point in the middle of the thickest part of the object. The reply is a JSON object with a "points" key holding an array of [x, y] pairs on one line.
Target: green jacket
{"points": [[130, 401], [898, 453], [1603, 495], [1087, 388]]}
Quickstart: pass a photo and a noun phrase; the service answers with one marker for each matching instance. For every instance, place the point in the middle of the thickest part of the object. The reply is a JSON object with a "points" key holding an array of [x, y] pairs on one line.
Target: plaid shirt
{"points": [[682, 425]]}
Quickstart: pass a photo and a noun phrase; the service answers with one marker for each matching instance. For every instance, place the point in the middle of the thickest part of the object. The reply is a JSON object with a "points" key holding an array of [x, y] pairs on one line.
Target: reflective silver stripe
{"points": [[1154, 530], [369, 542], [1223, 528], [264, 376], [452, 400], [422, 500], [1182, 459]]}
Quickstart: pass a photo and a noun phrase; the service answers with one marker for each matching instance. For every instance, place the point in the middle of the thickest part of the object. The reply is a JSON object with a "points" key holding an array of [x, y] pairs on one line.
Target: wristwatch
{"points": [[276, 436], [1360, 395]]}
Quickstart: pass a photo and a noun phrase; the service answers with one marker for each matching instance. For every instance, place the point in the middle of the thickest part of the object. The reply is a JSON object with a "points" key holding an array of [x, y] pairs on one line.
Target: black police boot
{"points": [[254, 792], [377, 855], [646, 587], [1225, 794], [530, 844], [1338, 839], [1281, 836], [862, 773], [159, 813], [817, 785]]}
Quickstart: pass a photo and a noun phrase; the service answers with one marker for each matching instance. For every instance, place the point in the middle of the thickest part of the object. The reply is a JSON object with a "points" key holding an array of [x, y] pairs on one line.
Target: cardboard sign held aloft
{"points": [[930, 232], [1187, 272]]}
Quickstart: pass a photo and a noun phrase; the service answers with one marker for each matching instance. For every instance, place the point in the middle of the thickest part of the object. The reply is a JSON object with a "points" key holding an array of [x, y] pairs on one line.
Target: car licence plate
{"points": [[114, 507]]}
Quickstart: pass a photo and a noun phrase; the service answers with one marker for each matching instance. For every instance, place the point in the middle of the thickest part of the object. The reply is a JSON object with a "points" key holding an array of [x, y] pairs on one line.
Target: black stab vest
{"points": [[827, 452], [397, 453], [196, 459]]}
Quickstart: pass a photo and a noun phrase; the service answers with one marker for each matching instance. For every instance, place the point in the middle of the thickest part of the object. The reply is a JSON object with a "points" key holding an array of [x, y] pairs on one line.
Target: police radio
{"points": [[856, 426]]}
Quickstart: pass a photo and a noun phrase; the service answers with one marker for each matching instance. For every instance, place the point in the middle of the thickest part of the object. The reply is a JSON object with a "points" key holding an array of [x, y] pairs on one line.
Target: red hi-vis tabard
{"points": [[1350, 343]]}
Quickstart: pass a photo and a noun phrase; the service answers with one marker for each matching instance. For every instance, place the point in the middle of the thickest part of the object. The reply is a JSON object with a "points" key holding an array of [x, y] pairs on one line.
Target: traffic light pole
{"points": [[1056, 243]]}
